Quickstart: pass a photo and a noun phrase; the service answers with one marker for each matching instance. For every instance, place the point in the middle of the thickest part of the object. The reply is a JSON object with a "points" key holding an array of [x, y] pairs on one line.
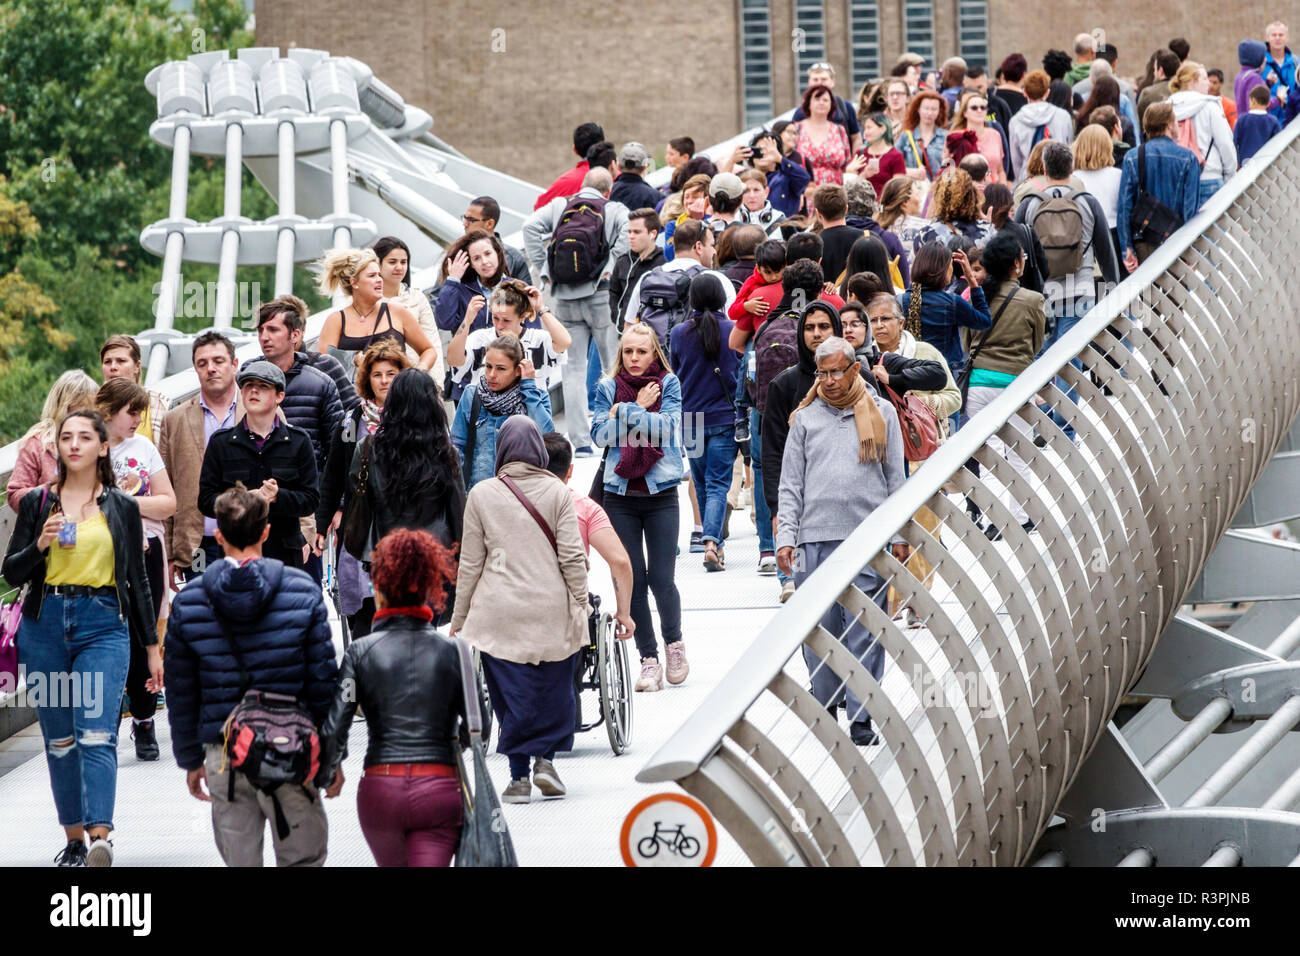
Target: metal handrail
{"points": [[694, 755]]}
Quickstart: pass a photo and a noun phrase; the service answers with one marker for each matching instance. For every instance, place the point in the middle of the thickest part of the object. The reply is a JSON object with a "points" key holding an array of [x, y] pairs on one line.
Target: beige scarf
{"points": [[866, 416]]}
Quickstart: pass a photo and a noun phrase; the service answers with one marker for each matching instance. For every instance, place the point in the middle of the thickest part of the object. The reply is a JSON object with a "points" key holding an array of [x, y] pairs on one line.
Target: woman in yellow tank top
{"points": [[78, 549]]}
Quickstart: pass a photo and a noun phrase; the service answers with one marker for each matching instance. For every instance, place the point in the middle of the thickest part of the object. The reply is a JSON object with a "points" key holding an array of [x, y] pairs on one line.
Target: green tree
{"points": [[80, 177]]}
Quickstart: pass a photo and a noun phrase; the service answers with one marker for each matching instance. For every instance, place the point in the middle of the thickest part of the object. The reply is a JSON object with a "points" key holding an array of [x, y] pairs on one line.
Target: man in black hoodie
{"points": [[642, 256]]}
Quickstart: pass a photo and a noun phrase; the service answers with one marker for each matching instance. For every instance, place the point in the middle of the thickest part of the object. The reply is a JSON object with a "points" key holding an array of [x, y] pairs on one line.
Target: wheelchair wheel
{"points": [[487, 698], [615, 685]]}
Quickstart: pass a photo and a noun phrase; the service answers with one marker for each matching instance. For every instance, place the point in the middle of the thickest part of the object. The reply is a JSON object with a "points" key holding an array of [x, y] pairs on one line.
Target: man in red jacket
{"points": [[566, 184]]}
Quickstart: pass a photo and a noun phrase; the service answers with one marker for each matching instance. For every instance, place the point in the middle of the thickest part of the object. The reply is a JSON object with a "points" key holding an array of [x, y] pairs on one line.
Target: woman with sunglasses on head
{"points": [[79, 548]]}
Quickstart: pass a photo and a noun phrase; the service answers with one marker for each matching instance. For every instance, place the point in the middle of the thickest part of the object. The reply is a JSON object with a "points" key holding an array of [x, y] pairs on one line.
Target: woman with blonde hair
{"points": [[369, 317], [38, 456], [972, 114], [1094, 166], [637, 418], [1202, 127]]}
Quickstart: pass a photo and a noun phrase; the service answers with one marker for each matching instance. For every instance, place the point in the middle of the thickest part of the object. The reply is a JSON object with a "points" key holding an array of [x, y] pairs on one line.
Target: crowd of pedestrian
{"points": [[761, 330]]}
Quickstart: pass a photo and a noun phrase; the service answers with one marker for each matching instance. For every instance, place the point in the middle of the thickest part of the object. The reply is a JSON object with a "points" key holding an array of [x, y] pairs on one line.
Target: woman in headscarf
{"points": [[637, 418], [521, 539]]}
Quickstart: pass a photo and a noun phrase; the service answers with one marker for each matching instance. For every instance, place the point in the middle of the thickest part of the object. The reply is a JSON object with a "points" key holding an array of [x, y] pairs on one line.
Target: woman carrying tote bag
{"points": [[521, 538]]}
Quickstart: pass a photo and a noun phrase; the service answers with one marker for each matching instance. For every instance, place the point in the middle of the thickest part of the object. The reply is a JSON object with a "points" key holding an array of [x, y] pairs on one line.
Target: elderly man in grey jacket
{"points": [[582, 307], [843, 458]]}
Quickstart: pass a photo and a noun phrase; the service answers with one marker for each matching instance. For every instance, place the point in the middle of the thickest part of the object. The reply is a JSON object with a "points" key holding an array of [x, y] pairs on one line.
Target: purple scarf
{"points": [[637, 456]]}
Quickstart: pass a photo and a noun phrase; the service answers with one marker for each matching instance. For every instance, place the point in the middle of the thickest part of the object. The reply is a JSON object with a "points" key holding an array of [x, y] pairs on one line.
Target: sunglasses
{"points": [[976, 109]]}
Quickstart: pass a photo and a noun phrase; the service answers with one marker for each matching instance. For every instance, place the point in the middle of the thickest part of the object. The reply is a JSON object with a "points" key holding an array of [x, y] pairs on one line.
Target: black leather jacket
{"points": [[407, 677], [25, 562]]}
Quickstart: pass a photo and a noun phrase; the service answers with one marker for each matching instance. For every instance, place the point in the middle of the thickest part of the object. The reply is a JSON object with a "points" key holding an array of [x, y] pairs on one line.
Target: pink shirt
{"points": [[591, 517]]}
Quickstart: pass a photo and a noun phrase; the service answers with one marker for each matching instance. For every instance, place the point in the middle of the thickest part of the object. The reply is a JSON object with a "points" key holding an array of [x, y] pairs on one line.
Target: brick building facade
{"points": [[507, 82]]}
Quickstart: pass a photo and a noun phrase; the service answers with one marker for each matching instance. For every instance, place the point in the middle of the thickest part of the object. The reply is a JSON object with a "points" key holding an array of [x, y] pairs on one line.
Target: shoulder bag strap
{"points": [[970, 362], [469, 684], [1142, 170], [471, 433], [528, 506]]}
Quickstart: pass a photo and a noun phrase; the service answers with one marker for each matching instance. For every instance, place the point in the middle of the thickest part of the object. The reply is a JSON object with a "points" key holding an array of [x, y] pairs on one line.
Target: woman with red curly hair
{"points": [[407, 677]]}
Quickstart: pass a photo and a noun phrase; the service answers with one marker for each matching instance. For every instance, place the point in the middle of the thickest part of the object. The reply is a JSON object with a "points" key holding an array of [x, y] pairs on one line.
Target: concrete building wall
{"points": [[507, 82]]}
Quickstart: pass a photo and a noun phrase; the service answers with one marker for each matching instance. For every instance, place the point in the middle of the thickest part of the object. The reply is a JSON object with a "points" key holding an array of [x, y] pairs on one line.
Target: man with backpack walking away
{"points": [[250, 660], [1035, 121], [662, 297], [1071, 225], [573, 245]]}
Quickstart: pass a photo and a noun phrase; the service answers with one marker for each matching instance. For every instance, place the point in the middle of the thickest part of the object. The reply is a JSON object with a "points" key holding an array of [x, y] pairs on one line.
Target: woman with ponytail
{"points": [[707, 371]]}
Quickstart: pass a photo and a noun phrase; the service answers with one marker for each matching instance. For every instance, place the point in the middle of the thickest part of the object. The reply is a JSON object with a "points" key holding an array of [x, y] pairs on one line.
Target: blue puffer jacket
{"points": [[276, 616], [663, 429], [538, 403]]}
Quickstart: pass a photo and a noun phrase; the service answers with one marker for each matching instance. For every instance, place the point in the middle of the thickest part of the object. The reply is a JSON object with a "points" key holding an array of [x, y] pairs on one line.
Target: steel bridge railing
{"points": [[1027, 646]]}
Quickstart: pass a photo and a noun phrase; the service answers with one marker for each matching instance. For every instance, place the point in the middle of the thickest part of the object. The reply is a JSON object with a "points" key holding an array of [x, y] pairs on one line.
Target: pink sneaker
{"points": [[652, 678], [677, 666]]}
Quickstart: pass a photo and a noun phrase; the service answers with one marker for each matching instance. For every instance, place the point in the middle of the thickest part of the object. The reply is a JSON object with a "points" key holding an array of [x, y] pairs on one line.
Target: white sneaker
{"points": [[100, 852], [678, 668], [787, 589], [767, 563], [652, 676]]}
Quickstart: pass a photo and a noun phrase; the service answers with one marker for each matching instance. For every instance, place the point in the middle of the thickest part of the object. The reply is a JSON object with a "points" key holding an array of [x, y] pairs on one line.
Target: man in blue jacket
{"points": [[1279, 69], [250, 623], [1173, 176]]}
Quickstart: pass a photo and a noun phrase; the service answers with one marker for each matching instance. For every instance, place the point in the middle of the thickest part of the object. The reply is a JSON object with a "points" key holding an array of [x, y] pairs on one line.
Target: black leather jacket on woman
{"points": [[25, 562], [407, 677]]}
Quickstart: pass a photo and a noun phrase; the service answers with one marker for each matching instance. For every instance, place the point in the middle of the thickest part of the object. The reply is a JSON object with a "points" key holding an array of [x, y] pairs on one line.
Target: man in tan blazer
{"points": [[185, 434]]}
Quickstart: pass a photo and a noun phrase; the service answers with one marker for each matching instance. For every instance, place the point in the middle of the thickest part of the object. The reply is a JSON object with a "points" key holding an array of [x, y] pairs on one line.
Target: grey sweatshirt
{"points": [[825, 491]]}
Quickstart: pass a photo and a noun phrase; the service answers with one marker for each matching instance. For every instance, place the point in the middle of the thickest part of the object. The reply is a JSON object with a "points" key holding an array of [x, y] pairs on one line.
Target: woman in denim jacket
{"points": [[508, 387], [638, 419]]}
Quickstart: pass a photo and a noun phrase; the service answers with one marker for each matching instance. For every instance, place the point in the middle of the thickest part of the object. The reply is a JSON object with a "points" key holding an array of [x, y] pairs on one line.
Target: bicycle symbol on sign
{"points": [[673, 838]]}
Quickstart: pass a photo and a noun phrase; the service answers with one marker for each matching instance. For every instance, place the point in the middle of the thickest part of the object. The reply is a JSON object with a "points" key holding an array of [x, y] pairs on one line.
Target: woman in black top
{"points": [[79, 549], [369, 318], [407, 676]]}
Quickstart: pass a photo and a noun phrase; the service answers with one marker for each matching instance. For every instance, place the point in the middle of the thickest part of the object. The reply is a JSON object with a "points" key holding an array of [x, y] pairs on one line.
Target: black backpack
{"points": [[776, 348], [665, 299], [578, 252]]}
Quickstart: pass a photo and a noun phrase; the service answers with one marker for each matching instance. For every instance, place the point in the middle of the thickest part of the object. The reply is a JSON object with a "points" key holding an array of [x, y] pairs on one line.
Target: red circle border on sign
{"points": [[625, 836]]}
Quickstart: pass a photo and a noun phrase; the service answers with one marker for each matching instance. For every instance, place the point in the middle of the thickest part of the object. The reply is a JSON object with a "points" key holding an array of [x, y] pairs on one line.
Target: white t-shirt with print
{"points": [[537, 348], [135, 462]]}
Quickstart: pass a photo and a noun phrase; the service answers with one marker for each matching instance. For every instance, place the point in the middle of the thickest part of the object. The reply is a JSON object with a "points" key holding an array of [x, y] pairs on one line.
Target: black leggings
{"points": [[144, 703], [648, 526]]}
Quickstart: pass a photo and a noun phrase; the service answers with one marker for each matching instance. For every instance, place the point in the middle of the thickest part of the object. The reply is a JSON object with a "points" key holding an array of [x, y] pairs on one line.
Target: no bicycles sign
{"points": [[669, 829]]}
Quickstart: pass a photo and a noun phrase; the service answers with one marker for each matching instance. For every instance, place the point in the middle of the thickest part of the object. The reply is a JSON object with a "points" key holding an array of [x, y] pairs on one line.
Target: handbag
{"points": [[11, 618], [919, 423], [484, 836], [1151, 221], [360, 517], [964, 378], [597, 490]]}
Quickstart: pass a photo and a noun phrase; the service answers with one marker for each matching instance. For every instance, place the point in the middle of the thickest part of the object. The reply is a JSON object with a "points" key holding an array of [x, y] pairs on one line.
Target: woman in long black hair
{"points": [[414, 475], [867, 254], [707, 370]]}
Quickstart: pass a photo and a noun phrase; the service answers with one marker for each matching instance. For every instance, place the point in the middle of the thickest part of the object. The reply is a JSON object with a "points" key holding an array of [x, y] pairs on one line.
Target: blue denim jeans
{"points": [[1070, 315], [714, 456], [78, 652], [762, 513], [827, 686], [1207, 189]]}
